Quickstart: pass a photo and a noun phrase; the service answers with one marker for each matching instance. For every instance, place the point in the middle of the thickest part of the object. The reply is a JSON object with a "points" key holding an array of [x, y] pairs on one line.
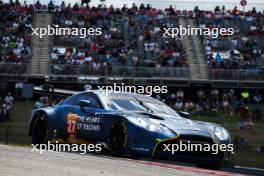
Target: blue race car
{"points": [[132, 125]]}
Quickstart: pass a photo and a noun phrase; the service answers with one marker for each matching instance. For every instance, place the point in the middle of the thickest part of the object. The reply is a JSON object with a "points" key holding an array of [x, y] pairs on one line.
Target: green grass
{"points": [[21, 113], [17, 131]]}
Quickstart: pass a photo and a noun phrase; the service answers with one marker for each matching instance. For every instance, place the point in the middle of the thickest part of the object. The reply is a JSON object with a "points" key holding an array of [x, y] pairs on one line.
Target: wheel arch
{"points": [[34, 117]]}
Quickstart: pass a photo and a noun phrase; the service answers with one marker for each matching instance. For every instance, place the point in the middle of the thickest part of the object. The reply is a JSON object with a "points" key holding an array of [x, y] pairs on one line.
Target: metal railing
{"points": [[14, 72], [237, 75], [119, 71], [21, 70], [10, 68]]}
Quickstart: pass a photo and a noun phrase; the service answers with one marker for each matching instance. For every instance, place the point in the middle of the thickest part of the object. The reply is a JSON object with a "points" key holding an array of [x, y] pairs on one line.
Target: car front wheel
{"points": [[118, 138]]}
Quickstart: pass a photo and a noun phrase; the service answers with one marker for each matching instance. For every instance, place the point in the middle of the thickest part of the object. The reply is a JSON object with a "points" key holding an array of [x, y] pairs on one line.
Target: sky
{"points": [[179, 4]]}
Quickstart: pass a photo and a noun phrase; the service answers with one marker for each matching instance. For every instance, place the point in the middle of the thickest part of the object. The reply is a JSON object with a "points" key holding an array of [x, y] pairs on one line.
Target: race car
{"points": [[129, 124]]}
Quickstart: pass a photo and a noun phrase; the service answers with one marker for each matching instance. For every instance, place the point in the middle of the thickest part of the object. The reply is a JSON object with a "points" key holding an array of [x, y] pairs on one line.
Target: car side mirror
{"points": [[184, 114], [84, 104]]}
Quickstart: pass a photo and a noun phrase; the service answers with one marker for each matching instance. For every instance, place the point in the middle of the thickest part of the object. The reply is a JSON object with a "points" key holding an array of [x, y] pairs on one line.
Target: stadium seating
{"points": [[15, 27], [132, 37], [240, 55]]}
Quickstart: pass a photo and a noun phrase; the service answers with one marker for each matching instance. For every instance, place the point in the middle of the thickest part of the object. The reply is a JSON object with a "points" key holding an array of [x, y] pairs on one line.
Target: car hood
{"points": [[172, 122]]}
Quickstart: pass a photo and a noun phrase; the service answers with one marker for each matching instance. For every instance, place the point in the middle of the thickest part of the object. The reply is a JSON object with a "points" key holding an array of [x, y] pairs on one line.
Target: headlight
{"points": [[221, 133], [150, 125]]}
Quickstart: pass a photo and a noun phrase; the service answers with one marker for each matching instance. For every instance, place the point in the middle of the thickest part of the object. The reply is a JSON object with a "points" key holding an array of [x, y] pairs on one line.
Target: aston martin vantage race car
{"points": [[129, 124]]}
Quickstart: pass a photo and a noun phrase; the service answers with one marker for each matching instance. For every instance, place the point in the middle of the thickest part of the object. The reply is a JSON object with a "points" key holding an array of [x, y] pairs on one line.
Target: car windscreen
{"points": [[133, 104]]}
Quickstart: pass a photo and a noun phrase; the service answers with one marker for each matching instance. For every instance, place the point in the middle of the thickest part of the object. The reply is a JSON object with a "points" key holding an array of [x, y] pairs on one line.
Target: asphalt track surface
{"points": [[23, 162]]}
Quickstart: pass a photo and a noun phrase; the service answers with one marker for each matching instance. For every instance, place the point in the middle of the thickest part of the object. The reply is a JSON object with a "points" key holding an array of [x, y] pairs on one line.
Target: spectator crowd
{"points": [[15, 28], [242, 51], [131, 37]]}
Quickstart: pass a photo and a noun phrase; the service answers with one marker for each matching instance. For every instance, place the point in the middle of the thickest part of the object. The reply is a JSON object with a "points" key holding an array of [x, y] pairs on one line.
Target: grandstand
{"points": [[15, 49], [131, 47]]}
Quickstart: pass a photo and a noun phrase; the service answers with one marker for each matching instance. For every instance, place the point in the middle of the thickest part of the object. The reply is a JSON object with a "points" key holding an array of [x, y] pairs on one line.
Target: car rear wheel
{"points": [[40, 130], [118, 138]]}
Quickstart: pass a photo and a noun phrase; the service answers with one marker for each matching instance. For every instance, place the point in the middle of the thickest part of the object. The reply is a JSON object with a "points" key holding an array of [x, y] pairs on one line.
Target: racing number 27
{"points": [[71, 124]]}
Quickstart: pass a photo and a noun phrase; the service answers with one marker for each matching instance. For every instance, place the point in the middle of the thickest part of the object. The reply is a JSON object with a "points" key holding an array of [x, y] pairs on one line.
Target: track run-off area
{"points": [[23, 162]]}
